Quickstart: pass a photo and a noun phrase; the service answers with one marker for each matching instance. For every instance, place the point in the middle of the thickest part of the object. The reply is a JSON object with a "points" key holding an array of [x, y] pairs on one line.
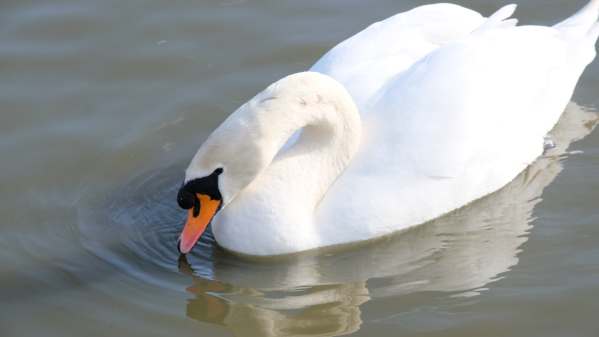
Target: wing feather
{"points": [[365, 61]]}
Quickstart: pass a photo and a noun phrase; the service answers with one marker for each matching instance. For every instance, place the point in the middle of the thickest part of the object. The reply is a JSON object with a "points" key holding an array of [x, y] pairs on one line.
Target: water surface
{"points": [[102, 105]]}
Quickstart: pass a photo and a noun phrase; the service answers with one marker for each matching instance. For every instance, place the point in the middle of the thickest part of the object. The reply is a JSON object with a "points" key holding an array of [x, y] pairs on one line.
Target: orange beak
{"points": [[196, 225]]}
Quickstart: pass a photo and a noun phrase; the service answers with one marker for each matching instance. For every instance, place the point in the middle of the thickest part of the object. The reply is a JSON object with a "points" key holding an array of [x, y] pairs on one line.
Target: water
{"points": [[102, 105]]}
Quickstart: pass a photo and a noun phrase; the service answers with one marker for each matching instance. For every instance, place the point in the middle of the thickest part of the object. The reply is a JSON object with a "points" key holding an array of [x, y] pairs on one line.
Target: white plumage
{"points": [[411, 118]]}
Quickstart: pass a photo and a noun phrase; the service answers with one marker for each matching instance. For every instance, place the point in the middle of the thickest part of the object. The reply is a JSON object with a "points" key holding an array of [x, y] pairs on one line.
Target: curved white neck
{"points": [[249, 143], [331, 135], [302, 172], [281, 200]]}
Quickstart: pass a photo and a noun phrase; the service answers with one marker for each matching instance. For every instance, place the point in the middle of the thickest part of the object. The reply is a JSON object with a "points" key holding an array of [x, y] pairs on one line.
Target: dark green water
{"points": [[103, 103]]}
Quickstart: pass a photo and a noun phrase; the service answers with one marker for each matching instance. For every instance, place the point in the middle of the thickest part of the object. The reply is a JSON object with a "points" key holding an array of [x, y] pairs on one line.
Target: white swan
{"points": [[459, 254], [411, 118]]}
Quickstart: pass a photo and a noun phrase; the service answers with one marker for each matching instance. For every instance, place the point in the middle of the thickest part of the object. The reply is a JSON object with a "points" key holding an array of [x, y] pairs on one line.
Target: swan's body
{"points": [[412, 118]]}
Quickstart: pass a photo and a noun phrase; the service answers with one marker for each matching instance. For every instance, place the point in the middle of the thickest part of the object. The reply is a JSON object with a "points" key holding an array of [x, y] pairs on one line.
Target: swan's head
{"points": [[227, 162]]}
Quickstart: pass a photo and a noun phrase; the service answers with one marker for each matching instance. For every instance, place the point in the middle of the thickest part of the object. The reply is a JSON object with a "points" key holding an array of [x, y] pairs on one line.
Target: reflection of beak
{"points": [[197, 222]]}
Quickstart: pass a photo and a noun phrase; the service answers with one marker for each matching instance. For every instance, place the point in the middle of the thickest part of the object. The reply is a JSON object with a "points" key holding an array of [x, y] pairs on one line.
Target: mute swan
{"points": [[413, 117], [266, 300]]}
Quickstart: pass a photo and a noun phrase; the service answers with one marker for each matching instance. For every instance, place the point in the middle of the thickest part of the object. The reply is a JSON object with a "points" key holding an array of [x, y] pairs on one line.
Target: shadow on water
{"points": [[320, 293]]}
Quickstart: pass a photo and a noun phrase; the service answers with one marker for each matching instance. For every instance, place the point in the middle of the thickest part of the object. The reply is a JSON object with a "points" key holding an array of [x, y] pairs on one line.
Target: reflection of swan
{"points": [[324, 311], [453, 107], [321, 294]]}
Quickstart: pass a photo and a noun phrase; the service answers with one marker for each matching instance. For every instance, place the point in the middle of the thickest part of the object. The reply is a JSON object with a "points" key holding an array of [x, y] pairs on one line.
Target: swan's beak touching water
{"points": [[202, 199], [198, 218]]}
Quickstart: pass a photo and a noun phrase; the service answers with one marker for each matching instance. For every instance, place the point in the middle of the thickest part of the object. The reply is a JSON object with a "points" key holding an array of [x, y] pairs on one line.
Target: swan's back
{"points": [[368, 59], [458, 124]]}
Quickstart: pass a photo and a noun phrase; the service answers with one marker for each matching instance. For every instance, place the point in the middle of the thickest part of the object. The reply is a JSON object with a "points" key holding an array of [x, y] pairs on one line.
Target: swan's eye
{"points": [[185, 199]]}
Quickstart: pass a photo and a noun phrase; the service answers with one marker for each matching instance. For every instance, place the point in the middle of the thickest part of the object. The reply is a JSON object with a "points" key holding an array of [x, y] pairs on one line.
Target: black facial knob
{"points": [[185, 199]]}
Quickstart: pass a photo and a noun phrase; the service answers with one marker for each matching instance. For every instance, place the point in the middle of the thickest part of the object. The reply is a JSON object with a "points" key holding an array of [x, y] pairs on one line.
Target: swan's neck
{"points": [[301, 172], [250, 144], [287, 183], [271, 189]]}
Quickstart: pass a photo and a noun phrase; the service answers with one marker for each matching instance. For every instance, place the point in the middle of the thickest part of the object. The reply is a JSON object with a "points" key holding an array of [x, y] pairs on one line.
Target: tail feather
{"points": [[583, 21], [501, 18], [504, 13]]}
